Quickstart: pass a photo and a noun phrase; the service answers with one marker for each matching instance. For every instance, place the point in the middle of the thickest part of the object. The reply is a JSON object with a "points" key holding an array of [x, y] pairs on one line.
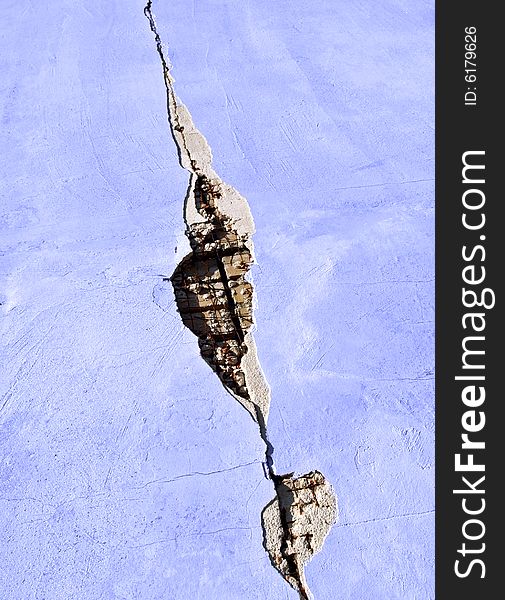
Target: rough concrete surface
{"points": [[126, 469]]}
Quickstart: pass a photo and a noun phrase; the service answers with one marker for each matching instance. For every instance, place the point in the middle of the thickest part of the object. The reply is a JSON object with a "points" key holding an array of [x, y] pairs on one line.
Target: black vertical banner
{"points": [[469, 245]]}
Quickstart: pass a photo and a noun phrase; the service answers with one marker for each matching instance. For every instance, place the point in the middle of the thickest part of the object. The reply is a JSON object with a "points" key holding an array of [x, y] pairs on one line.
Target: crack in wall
{"points": [[296, 523], [215, 300], [213, 297]]}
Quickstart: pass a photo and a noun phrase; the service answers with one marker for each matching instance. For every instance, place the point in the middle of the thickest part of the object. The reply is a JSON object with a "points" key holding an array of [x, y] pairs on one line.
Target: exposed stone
{"points": [[296, 523], [212, 294]]}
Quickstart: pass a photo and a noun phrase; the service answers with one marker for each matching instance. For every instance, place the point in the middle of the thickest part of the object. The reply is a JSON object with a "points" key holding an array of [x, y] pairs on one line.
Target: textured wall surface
{"points": [[126, 471]]}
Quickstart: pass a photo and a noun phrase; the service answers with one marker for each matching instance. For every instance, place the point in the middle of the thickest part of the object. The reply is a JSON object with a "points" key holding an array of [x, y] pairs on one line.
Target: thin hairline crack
{"points": [[214, 297]]}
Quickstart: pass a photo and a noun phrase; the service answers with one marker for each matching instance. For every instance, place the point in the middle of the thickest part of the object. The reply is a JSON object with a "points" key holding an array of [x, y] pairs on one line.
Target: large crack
{"points": [[213, 296], [296, 523], [215, 300]]}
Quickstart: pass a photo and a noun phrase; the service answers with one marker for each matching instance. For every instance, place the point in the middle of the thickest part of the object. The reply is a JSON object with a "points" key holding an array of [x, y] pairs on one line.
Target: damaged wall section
{"points": [[212, 294], [215, 301]]}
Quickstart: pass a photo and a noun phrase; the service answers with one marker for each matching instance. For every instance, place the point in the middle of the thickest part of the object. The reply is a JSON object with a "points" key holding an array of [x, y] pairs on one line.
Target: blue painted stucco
{"points": [[126, 471]]}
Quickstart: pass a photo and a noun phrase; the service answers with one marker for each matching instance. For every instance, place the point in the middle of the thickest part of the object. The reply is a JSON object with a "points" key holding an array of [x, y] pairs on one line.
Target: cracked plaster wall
{"points": [[126, 472]]}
